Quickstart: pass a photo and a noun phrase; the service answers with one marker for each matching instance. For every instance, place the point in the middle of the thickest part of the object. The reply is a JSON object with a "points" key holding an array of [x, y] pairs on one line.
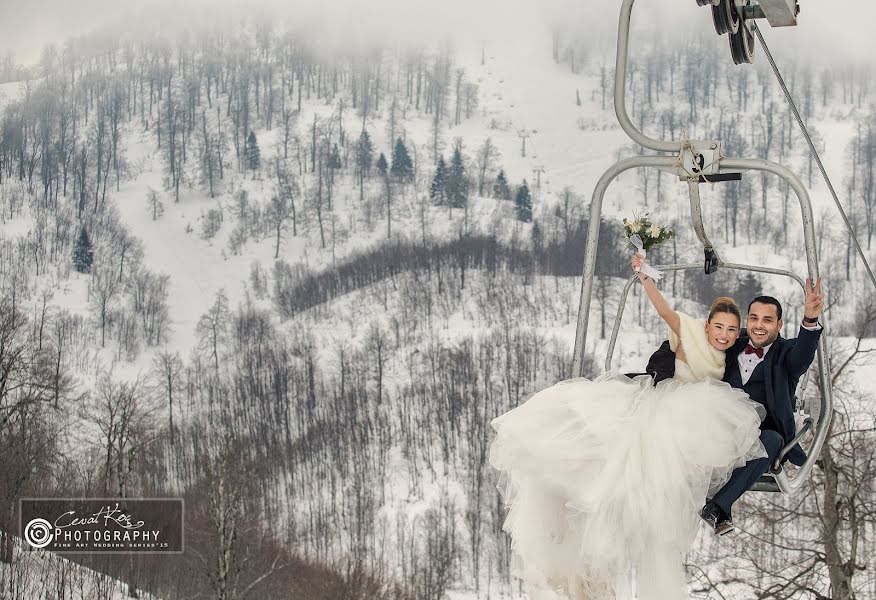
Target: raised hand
{"points": [[637, 261], [814, 299]]}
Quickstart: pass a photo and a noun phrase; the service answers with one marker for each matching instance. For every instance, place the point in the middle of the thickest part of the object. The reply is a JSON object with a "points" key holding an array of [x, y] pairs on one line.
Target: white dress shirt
{"points": [[748, 362]]}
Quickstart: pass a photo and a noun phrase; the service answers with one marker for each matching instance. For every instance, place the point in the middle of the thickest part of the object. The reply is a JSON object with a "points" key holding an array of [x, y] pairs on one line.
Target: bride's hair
{"points": [[725, 305]]}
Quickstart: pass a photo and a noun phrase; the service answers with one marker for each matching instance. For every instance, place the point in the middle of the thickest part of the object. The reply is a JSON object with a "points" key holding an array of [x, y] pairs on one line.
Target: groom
{"points": [[767, 367]]}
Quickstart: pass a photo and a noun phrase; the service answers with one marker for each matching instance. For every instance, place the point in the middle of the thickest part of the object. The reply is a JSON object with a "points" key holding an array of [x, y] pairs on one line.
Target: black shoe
{"points": [[711, 514], [716, 518], [724, 526]]}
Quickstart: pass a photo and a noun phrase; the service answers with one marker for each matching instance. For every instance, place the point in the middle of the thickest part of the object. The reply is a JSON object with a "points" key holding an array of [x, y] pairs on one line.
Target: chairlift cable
{"points": [[812, 149]]}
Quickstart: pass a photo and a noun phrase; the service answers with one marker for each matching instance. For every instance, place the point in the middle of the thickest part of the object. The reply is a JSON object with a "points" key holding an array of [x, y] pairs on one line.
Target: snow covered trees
{"points": [[83, 252], [280, 211], [438, 187], [501, 189], [364, 156], [154, 204], [402, 167], [450, 184], [382, 165], [457, 184], [523, 203], [32, 387], [253, 155], [486, 160]]}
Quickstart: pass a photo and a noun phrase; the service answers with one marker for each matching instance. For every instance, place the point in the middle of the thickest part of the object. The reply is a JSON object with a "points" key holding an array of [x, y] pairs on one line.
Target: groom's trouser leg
{"points": [[744, 477]]}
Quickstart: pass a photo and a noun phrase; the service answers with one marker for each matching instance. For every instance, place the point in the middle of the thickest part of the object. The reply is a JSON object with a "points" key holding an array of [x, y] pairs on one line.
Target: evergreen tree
{"points": [[748, 288], [438, 189], [382, 165], [537, 237], [253, 156], [364, 155], [83, 253], [523, 203], [335, 158], [456, 185], [402, 165], [501, 189]]}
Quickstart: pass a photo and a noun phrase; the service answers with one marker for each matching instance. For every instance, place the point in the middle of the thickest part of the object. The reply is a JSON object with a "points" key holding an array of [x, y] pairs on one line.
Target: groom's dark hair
{"points": [[768, 300]]}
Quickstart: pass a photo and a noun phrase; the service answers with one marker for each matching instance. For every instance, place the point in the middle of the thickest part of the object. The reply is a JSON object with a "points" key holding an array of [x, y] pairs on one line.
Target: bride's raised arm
{"points": [[663, 309]]}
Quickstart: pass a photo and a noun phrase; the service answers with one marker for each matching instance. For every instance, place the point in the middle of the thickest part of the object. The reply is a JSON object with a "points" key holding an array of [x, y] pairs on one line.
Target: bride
{"points": [[603, 479]]}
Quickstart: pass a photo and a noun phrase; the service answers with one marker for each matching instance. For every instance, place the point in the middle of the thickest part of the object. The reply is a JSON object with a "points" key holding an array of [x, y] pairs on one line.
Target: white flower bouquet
{"points": [[644, 235], [649, 233]]}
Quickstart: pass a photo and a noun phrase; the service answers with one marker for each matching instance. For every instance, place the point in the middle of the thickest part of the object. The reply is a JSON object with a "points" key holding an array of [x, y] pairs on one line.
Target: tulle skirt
{"points": [[603, 480]]}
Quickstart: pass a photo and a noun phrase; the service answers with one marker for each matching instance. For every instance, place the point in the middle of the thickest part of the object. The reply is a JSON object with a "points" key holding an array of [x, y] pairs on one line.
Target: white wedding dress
{"points": [[603, 480]]}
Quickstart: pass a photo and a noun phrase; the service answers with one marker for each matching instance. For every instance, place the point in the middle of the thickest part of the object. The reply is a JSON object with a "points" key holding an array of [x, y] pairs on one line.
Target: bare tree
{"points": [[280, 211], [212, 328], [124, 414], [167, 370], [103, 290], [154, 203], [486, 160]]}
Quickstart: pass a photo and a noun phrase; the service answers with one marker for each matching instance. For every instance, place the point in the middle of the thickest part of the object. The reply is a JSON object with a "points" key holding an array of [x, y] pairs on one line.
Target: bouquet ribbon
{"points": [[647, 269]]}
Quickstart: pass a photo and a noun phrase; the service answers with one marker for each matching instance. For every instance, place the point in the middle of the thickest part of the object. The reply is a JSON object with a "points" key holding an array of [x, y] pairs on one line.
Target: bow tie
{"points": [[749, 349]]}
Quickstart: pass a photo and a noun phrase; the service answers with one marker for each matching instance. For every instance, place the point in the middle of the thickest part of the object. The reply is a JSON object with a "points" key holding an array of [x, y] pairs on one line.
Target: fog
{"points": [[835, 30]]}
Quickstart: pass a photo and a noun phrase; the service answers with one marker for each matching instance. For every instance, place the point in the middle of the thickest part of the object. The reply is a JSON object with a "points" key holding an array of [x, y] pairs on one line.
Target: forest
{"points": [[330, 426]]}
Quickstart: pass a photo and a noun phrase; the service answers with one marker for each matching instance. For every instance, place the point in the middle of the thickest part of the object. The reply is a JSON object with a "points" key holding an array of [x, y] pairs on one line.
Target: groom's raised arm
{"points": [[802, 352]]}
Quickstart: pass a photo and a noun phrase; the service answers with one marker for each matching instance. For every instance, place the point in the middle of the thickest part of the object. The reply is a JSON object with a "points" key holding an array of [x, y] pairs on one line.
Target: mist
{"points": [[828, 31]]}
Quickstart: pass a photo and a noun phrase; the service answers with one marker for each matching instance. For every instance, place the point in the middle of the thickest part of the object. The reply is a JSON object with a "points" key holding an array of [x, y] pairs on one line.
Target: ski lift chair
{"points": [[698, 162], [808, 408]]}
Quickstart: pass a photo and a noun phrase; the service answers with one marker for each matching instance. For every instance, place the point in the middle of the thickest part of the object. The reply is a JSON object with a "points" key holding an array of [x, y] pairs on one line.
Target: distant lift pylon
{"points": [[696, 162]]}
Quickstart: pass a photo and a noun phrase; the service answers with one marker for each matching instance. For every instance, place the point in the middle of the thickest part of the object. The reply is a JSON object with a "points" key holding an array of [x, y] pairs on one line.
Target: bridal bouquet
{"points": [[643, 234]]}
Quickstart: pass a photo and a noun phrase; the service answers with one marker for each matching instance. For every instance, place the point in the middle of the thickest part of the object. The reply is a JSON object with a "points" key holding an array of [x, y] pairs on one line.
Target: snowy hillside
{"points": [[40, 574], [310, 351]]}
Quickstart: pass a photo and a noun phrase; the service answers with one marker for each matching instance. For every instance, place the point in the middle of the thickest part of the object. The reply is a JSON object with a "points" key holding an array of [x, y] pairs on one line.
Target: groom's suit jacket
{"points": [[774, 386], [772, 383]]}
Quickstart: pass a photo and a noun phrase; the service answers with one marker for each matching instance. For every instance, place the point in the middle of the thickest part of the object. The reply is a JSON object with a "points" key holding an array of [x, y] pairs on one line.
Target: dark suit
{"points": [[772, 384], [774, 381], [661, 365]]}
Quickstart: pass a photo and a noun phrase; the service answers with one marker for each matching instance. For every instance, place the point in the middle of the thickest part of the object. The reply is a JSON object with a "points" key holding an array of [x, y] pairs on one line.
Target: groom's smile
{"points": [[763, 324]]}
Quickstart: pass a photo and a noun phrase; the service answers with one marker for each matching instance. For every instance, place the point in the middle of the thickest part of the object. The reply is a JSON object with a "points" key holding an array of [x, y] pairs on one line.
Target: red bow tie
{"points": [[749, 349]]}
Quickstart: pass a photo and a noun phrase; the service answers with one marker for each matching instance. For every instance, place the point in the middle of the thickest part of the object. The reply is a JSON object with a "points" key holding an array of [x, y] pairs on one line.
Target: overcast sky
{"points": [[840, 29]]}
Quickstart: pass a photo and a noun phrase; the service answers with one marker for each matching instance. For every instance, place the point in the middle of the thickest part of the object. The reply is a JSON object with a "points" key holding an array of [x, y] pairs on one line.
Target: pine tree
{"points": [[335, 158], [748, 288], [83, 253], [457, 183], [500, 187], [364, 155], [523, 203], [537, 237], [381, 164], [438, 189], [402, 166], [253, 156]]}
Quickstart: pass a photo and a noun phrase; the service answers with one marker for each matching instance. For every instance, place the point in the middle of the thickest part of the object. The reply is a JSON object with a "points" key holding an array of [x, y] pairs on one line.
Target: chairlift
{"points": [[698, 162], [733, 17]]}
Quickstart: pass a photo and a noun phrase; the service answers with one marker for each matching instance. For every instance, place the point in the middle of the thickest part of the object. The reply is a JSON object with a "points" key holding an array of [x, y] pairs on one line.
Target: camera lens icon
{"points": [[38, 533]]}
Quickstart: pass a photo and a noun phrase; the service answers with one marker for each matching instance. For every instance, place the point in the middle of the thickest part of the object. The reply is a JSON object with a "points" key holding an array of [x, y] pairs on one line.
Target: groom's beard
{"points": [[772, 338]]}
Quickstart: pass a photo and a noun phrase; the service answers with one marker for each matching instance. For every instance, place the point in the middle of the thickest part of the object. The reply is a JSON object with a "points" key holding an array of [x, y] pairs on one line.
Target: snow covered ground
{"points": [[521, 91], [38, 574]]}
